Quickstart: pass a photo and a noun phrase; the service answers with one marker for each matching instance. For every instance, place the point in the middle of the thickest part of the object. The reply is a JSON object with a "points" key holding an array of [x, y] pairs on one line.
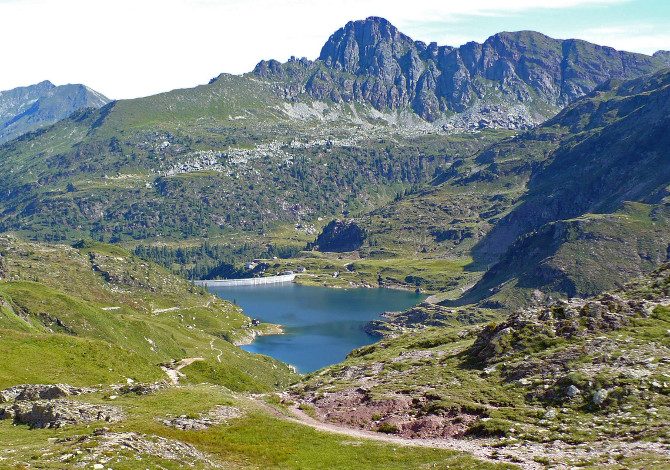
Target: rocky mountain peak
{"points": [[664, 56], [45, 84], [513, 80], [365, 46]]}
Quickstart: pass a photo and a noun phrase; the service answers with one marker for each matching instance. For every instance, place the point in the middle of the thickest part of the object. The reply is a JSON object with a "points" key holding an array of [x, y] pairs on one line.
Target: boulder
{"points": [[142, 389], [599, 397], [45, 392], [572, 391]]}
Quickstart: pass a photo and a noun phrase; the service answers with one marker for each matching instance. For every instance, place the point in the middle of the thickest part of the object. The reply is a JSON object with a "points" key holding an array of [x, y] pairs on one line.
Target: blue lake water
{"points": [[321, 325]]}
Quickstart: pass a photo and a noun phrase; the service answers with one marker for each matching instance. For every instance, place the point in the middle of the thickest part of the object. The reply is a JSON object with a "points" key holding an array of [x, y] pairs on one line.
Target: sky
{"points": [[133, 48]]}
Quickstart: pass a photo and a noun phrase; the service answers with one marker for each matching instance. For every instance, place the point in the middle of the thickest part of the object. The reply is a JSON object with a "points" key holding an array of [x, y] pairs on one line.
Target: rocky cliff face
{"points": [[340, 236], [25, 109], [512, 80]]}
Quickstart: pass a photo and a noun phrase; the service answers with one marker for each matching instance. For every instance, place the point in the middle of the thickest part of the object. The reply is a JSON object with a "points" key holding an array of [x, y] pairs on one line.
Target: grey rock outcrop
{"points": [[44, 392], [32, 392], [575, 318], [217, 415], [142, 389], [58, 413]]}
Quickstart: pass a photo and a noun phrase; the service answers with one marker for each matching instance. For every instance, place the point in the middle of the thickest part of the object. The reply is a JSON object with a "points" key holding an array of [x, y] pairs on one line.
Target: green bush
{"points": [[388, 428]]}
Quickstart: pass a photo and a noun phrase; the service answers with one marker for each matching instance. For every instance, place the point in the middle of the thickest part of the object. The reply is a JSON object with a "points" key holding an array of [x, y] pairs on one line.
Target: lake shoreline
{"points": [[270, 329], [319, 326], [299, 280]]}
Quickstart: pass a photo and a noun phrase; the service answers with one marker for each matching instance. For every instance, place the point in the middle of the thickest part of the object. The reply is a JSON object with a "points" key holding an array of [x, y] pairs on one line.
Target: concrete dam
{"points": [[252, 281]]}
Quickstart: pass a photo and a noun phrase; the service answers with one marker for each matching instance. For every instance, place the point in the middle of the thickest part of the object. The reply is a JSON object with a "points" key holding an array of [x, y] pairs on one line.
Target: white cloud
{"points": [[638, 37], [126, 48]]}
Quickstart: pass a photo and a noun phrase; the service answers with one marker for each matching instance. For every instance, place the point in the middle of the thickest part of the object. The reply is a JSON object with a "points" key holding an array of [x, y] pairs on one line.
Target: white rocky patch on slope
{"points": [[236, 159]]}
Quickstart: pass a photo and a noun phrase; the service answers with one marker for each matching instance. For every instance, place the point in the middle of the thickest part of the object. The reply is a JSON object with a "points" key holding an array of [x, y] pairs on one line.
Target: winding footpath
{"points": [[220, 352], [173, 372], [523, 455]]}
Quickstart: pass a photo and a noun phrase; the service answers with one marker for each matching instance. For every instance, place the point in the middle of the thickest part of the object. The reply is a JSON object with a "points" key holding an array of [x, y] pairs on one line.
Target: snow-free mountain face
{"points": [[26, 109], [512, 80], [292, 142]]}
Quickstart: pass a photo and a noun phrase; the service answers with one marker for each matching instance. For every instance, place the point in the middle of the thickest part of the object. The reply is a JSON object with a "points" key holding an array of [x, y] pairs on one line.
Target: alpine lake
{"points": [[321, 325]]}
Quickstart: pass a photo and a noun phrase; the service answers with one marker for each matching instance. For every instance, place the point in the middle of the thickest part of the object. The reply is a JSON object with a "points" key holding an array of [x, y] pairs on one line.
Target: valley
{"points": [[480, 239]]}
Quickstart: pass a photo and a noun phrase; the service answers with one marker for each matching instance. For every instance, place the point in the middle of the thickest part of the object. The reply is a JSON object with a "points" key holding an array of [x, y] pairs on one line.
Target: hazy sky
{"points": [[130, 48]]}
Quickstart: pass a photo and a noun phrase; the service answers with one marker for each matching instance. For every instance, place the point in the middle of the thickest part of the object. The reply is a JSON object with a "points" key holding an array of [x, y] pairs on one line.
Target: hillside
{"points": [[26, 109], [179, 178], [65, 311], [565, 384], [573, 207], [614, 150], [596, 209], [376, 116], [139, 368]]}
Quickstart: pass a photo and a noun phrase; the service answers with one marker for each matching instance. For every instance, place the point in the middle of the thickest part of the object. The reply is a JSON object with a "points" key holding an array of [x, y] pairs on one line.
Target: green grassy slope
{"points": [[99, 305]]}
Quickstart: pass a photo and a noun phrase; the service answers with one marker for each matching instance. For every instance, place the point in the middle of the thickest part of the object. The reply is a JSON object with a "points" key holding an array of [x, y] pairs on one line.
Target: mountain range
{"points": [[512, 80], [400, 134], [26, 109]]}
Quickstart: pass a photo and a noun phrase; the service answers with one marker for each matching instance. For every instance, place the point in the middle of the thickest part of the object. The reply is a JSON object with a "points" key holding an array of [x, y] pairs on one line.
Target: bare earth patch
{"points": [[395, 415]]}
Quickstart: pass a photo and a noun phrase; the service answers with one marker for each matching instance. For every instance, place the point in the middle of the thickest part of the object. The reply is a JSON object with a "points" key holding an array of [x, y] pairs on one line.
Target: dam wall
{"points": [[252, 281]]}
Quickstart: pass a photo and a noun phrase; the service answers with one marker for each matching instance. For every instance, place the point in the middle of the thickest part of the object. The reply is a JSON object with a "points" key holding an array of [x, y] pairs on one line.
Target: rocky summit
{"points": [[513, 80]]}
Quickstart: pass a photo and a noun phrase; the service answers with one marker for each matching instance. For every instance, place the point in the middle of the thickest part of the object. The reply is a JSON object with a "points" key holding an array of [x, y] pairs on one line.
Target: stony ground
{"points": [[138, 426]]}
